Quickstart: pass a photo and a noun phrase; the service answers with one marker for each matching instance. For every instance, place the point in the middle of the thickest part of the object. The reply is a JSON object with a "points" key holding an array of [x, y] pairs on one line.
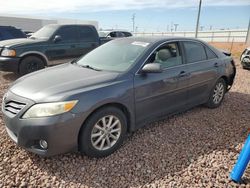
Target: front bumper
{"points": [[9, 64], [245, 64], [60, 132]]}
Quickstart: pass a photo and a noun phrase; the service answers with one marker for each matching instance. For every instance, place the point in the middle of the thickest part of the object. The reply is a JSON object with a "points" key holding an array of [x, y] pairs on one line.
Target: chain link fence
{"points": [[209, 36]]}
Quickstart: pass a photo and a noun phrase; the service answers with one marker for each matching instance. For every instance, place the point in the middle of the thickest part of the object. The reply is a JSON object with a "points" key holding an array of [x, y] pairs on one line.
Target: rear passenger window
{"points": [[87, 34], [210, 54], [194, 52], [127, 34], [120, 34]]}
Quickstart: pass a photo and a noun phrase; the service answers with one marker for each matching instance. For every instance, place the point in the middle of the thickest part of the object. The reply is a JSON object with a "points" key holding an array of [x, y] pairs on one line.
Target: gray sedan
{"points": [[89, 105]]}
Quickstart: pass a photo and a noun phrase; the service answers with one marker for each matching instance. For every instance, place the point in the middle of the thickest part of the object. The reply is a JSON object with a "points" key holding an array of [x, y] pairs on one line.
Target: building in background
{"points": [[32, 24]]}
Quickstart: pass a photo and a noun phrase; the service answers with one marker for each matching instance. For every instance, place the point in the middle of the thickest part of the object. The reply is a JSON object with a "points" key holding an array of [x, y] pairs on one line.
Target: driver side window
{"points": [[168, 55]]}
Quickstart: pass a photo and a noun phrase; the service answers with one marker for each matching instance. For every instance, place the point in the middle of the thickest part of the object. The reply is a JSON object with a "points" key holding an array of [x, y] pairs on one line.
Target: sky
{"points": [[150, 15]]}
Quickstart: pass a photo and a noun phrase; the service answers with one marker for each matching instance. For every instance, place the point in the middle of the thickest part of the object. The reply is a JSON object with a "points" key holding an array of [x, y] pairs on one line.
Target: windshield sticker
{"points": [[143, 44]]}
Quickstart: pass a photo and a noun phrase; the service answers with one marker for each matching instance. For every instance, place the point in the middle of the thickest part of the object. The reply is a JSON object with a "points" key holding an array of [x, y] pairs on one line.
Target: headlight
{"points": [[8, 52], [49, 109]]}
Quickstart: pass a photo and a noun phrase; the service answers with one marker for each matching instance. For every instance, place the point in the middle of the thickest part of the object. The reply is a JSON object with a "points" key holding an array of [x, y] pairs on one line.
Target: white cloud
{"points": [[48, 6]]}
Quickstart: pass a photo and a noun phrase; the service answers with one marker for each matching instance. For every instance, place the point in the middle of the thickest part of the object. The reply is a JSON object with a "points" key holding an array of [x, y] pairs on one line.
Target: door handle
{"points": [[216, 65], [183, 74], [93, 45]]}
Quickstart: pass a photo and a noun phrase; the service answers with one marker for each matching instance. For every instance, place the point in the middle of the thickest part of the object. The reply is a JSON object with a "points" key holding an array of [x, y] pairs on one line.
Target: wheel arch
{"points": [[36, 54]]}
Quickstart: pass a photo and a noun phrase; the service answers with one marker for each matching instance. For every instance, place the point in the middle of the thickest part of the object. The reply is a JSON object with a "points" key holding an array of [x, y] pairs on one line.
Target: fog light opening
{"points": [[43, 144]]}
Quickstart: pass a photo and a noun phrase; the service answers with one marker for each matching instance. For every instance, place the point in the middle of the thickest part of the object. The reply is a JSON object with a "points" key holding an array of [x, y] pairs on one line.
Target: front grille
{"points": [[13, 107]]}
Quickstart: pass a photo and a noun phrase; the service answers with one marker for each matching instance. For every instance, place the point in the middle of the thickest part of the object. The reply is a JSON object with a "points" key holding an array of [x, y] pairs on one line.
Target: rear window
{"points": [[87, 34], [127, 34], [210, 54], [194, 52]]}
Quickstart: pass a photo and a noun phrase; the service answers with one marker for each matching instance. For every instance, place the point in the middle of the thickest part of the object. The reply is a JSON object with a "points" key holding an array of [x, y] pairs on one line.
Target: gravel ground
{"points": [[195, 149]]}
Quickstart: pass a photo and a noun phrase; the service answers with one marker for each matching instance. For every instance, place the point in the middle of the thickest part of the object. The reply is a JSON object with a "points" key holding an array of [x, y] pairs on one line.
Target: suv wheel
{"points": [[103, 133], [217, 94], [30, 64]]}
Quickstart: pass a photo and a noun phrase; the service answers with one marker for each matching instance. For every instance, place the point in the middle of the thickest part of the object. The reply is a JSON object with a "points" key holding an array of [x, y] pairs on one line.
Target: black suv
{"points": [[51, 45], [9, 32]]}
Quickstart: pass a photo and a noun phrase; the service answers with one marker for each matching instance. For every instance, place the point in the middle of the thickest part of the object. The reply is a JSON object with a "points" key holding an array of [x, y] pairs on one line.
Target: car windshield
{"points": [[45, 32], [117, 55]]}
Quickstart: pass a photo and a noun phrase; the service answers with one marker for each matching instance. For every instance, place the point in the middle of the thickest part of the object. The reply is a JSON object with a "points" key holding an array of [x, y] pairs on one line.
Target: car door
{"points": [[157, 94], [62, 49], [88, 39], [202, 64]]}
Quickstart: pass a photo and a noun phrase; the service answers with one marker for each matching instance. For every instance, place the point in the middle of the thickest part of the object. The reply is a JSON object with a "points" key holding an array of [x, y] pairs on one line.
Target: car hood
{"points": [[58, 82], [19, 42]]}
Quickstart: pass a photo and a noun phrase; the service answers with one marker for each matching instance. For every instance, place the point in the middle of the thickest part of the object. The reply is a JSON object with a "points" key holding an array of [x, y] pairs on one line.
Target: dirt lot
{"points": [[195, 149]]}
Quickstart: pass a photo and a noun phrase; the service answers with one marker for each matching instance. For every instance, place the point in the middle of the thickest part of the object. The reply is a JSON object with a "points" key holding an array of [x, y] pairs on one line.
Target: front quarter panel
{"points": [[118, 92]]}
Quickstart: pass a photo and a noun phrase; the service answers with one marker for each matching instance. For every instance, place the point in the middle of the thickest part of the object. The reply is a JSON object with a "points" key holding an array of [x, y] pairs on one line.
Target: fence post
{"points": [[232, 45], [229, 35], [212, 38]]}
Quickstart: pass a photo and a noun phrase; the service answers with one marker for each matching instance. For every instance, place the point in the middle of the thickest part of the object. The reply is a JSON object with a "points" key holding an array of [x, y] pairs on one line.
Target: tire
{"points": [[30, 64], [214, 100], [89, 134]]}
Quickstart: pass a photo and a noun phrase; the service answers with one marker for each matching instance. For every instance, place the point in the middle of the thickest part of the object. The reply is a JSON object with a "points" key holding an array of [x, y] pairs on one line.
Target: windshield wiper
{"points": [[90, 67]]}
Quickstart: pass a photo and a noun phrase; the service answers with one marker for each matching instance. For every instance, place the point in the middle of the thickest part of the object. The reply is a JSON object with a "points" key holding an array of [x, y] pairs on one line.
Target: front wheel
{"points": [[103, 132], [30, 64], [217, 94]]}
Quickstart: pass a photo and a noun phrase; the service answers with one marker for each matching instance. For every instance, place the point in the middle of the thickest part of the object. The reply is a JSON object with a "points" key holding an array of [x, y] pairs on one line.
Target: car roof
{"points": [[156, 39], [59, 25], [114, 31]]}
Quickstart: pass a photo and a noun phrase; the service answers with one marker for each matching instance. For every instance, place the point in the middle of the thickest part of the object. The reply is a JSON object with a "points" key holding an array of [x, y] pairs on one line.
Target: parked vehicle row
{"points": [[89, 105], [245, 58], [51, 45]]}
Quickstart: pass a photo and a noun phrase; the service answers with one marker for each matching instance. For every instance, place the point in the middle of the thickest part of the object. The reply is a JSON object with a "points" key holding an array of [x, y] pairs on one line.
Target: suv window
{"points": [[86, 34], [67, 33], [194, 51], [16, 33], [210, 54], [168, 55]]}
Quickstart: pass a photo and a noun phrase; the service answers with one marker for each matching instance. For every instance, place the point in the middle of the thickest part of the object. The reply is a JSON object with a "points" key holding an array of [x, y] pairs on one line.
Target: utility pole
{"points": [[133, 21], [248, 34], [198, 20], [175, 27]]}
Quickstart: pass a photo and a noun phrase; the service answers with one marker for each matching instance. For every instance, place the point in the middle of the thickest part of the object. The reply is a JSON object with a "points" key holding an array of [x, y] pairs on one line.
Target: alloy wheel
{"points": [[218, 93], [106, 132]]}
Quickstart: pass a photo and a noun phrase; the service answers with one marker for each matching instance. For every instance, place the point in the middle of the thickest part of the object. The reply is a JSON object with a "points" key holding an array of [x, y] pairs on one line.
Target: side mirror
{"points": [[152, 68], [57, 38]]}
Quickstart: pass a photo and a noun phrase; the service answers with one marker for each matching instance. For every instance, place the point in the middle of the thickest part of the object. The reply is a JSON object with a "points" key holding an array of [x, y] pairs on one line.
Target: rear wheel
{"points": [[103, 132], [30, 64], [217, 94]]}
